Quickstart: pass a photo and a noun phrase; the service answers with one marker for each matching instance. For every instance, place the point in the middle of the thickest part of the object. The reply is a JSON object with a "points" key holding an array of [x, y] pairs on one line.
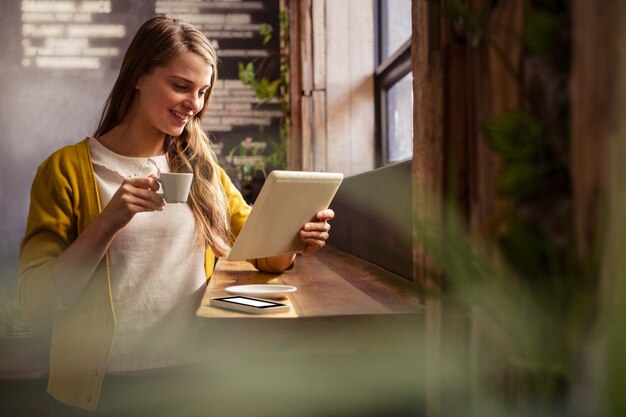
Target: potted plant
{"points": [[252, 160]]}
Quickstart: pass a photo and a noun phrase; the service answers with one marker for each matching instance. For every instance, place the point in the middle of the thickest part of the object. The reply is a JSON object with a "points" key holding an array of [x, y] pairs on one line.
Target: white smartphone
{"points": [[249, 304]]}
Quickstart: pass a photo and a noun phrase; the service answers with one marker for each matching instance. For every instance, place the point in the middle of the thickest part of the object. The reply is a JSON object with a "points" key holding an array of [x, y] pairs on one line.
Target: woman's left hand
{"points": [[315, 233]]}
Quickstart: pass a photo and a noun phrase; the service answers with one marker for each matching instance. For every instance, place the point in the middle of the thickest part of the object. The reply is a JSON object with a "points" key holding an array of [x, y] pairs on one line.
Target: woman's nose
{"points": [[194, 104]]}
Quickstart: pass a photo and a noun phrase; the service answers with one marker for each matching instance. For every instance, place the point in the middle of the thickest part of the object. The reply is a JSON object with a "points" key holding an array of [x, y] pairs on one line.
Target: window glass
{"points": [[396, 25], [400, 120]]}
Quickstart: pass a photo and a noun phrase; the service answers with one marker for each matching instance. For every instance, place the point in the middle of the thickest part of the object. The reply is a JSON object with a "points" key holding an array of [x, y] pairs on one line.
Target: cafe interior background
{"points": [[483, 153]]}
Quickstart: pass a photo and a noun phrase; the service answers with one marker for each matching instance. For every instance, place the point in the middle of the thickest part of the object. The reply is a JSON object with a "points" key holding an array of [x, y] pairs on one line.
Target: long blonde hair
{"points": [[157, 42]]}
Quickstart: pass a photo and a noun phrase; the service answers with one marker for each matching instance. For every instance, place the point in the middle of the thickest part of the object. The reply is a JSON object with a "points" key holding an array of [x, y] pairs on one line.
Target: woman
{"points": [[103, 256]]}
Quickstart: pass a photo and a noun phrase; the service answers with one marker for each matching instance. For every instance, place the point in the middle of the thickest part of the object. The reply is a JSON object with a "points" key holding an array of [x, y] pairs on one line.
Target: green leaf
{"points": [[471, 24], [266, 32], [266, 89], [272, 88], [277, 157], [283, 20], [246, 73], [525, 248], [515, 135], [519, 179], [540, 31]]}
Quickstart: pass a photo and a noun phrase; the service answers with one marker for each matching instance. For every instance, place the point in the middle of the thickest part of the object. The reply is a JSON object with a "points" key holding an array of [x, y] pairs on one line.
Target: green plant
{"points": [[476, 27], [264, 89], [259, 74], [541, 29], [247, 159], [531, 279], [250, 157], [261, 77], [276, 156]]}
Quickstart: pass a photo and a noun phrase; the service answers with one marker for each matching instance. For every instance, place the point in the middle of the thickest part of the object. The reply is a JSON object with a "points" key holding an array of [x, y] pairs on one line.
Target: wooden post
{"points": [[594, 119], [319, 145], [427, 178], [294, 144]]}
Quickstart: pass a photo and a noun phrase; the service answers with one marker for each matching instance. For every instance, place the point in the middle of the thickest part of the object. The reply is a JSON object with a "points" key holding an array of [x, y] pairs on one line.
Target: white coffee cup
{"points": [[175, 186]]}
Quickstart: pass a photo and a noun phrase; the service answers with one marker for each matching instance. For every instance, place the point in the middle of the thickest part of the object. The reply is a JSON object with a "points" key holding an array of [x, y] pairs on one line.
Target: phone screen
{"points": [[250, 302]]}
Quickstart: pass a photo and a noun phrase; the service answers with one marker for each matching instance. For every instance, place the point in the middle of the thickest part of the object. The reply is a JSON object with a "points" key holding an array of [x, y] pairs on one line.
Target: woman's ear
{"points": [[139, 83]]}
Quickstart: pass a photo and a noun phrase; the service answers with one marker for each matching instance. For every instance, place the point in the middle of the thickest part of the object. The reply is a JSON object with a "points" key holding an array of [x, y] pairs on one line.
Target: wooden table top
{"points": [[330, 283]]}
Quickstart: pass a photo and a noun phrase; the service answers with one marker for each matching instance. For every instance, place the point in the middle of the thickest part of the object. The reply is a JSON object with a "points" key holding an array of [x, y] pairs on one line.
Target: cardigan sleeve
{"points": [[239, 209], [50, 228]]}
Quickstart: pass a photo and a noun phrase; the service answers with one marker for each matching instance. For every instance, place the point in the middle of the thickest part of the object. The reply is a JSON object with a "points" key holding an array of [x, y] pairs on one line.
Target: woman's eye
{"points": [[180, 87], [202, 93]]}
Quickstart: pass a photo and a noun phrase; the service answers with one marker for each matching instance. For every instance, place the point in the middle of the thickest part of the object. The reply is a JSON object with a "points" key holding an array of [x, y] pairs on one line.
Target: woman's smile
{"points": [[181, 118]]}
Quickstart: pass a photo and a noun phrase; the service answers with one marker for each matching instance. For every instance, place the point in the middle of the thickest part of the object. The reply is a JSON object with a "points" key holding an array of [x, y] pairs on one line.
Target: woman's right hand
{"points": [[135, 195], [73, 269]]}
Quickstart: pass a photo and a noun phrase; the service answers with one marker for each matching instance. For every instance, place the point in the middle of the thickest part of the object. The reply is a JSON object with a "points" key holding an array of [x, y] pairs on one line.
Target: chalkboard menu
{"points": [[59, 60]]}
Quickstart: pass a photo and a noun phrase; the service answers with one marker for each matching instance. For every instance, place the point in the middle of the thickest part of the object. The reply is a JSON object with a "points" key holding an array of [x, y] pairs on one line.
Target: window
{"points": [[394, 81]]}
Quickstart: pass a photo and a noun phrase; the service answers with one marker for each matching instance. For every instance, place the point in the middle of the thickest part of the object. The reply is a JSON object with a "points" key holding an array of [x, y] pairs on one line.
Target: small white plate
{"points": [[262, 290]]}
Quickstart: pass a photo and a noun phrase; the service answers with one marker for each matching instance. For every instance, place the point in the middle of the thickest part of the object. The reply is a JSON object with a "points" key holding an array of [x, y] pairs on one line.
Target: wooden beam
{"points": [[594, 117], [319, 145], [294, 144], [427, 169]]}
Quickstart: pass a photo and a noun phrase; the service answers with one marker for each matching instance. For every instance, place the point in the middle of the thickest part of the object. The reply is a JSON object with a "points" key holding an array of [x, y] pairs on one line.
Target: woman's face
{"points": [[170, 96]]}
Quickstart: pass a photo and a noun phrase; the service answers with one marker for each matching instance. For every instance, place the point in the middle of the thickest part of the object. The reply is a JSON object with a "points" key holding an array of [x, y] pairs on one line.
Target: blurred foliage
{"points": [[522, 326], [12, 321], [527, 286], [266, 32], [541, 28], [518, 178], [535, 230], [276, 155], [470, 25], [515, 135], [251, 157], [247, 159], [264, 89], [609, 358], [260, 76]]}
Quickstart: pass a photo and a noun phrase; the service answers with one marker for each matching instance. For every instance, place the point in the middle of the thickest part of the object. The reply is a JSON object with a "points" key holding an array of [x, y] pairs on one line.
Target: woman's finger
{"points": [[143, 188], [325, 215], [313, 245], [143, 182], [143, 202], [317, 226], [314, 235]]}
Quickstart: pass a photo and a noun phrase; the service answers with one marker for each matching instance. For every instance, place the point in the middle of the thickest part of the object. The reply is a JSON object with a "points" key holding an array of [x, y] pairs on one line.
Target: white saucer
{"points": [[262, 290]]}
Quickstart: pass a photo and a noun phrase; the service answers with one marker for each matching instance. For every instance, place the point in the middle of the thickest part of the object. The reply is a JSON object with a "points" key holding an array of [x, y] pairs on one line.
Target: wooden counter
{"points": [[330, 283], [352, 344]]}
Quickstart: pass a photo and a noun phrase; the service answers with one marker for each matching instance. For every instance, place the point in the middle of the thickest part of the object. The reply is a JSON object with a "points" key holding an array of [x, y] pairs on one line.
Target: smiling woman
{"points": [[179, 88], [106, 259]]}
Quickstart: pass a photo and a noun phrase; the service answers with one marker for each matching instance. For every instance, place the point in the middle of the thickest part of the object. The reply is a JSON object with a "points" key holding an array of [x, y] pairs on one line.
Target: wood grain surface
{"points": [[330, 283]]}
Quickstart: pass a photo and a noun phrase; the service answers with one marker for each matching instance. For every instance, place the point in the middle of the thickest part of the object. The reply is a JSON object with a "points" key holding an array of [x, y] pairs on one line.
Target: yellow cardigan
{"points": [[64, 201]]}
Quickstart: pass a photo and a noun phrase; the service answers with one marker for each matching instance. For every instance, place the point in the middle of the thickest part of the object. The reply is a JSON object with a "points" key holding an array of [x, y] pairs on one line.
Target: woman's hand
{"points": [[73, 269], [135, 195], [315, 234]]}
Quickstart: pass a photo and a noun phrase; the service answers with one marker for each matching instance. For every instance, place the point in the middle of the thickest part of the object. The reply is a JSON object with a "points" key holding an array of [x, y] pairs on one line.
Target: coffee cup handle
{"points": [[158, 178]]}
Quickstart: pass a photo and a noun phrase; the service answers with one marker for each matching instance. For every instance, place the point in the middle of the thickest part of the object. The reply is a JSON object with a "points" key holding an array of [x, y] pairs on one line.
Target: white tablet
{"points": [[287, 201]]}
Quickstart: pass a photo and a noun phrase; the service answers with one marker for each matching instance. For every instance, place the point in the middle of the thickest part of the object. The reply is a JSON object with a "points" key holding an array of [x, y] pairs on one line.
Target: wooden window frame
{"points": [[387, 73]]}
